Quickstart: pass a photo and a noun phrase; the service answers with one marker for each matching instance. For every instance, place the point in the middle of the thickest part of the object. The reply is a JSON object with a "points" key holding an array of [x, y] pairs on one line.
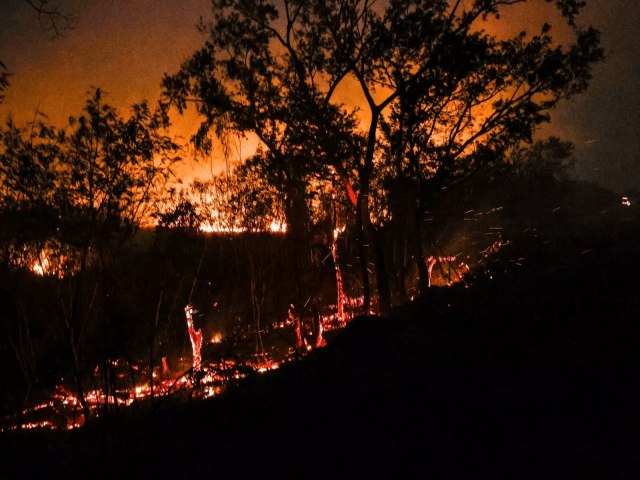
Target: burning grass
{"points": [[534, 368], [133, 382]]}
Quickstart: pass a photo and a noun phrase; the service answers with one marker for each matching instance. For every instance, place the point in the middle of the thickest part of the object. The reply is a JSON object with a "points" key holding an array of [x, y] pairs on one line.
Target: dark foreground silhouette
{"points": [[531, 374]]}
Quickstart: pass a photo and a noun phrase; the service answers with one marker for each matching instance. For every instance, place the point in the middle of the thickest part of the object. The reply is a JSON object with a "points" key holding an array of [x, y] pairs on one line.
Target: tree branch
{"points": [[57, 20]]}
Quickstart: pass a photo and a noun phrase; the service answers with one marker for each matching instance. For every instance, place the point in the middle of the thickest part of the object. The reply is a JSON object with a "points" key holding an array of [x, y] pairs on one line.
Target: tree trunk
{"points": [[69, 322], [362, 253], [418, 253], [297, 217], [367, 227], [382, 277]]}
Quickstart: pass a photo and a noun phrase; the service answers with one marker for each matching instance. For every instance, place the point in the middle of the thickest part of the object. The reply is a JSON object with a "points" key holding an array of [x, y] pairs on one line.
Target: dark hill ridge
{"points": [[533, 374]]}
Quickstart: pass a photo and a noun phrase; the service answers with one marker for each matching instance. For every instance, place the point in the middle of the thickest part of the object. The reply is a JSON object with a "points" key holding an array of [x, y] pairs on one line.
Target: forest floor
{"points": [[532, 371]]}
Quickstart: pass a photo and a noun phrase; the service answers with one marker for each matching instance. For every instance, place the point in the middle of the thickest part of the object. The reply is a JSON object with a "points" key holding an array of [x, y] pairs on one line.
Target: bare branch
{"points": [[52, 17]]}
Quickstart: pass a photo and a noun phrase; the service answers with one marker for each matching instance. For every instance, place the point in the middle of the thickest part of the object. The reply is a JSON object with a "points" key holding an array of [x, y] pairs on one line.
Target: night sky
{"points": [[124, 47]]}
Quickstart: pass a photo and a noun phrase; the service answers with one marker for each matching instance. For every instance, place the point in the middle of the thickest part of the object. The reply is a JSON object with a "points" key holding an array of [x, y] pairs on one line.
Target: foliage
{"points": [[546, 160], [88, 185], [242, 84]]}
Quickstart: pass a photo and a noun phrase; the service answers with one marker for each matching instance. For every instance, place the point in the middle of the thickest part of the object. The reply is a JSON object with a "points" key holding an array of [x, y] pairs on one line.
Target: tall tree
{"points": [[446, 89], [241, 83]]}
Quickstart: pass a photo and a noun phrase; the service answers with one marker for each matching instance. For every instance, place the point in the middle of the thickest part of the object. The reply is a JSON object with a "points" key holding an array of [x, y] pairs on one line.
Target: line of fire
{"points": [[241, 326]]}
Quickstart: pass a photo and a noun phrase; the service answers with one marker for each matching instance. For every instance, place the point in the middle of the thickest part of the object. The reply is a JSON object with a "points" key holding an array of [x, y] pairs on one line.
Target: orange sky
{"points": [[125, 46]]}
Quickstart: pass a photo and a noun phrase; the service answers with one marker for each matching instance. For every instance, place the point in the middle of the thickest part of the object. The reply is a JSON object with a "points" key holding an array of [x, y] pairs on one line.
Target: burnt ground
{"points": [[533, 373]]}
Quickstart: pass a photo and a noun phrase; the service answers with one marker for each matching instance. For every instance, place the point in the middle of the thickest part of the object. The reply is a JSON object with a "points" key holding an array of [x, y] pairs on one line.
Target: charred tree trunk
{"points": [[75, 368], [297, 217], [362, 253], [153, 327], [70, 319], [256, 305], [318, 330], [418, 252], [382, 277]]}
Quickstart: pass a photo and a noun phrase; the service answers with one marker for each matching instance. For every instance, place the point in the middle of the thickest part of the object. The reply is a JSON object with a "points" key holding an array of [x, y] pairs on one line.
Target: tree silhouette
{"points": [[4, 80], [241, 85], [76, 198], [52, 18], [447, 94]]}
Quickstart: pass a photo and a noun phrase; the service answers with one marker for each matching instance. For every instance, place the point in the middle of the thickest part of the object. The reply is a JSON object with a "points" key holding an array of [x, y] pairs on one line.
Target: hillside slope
{"points": [[531, 374]]}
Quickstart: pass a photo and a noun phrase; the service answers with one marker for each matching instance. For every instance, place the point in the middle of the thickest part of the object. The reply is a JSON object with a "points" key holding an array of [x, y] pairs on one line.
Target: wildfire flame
{"points": [[40, 267], [207, 227], [64, 411], [48, 263]]}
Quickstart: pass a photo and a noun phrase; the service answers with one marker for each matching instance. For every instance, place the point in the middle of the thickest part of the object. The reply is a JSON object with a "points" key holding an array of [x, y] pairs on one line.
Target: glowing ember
{"points": [[63, 409], [431, 261], [196, 338], [320, 341], [266, 366], [334, 253], [295, 319], [165, 368]]}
